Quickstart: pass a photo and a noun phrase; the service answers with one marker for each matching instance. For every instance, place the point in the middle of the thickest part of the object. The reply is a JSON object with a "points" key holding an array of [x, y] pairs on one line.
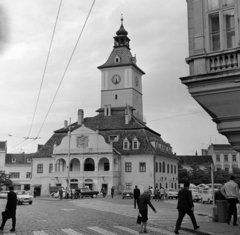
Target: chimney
{"points": [[109, 110], [126, 115], [65, 124], [105, 110], [80, 116], [129, 114]]}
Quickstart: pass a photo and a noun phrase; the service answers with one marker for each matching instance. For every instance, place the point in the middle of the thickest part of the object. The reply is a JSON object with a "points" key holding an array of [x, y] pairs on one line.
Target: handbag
{"points": [[6, 215], [139, 218]]}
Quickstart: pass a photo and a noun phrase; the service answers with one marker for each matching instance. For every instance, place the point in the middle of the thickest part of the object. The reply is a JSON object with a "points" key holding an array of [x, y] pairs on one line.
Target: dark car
{"points": [[127, 193], [86, 192]]}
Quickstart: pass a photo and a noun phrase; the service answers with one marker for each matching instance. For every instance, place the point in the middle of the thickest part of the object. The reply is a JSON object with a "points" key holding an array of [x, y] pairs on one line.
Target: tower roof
{"points": [[122, 31]]}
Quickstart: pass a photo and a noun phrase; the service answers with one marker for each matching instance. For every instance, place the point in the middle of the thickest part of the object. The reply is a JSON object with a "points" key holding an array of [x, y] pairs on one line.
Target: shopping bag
{"points": [[6, 215], [139, 218]]}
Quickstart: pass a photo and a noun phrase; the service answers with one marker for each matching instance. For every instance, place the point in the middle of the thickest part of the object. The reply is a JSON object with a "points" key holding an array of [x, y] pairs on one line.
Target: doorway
{"points": [[105, 186]]}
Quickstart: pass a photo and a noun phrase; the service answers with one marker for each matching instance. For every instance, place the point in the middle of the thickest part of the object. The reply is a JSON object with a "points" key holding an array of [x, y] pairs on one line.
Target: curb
{"points": [[197, 231]]}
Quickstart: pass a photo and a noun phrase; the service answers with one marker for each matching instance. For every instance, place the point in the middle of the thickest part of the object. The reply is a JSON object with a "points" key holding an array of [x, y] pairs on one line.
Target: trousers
{"points": [[232, 209], [13, 215], [181, 214]]}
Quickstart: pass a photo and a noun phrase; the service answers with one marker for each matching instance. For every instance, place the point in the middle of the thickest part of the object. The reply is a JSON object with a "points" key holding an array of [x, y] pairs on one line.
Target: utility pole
{"points": [[69, 145]]}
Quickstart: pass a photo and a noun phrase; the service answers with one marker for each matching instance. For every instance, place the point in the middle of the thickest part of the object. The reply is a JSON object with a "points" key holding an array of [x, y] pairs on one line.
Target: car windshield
{"points": [[21, 193], [172, 190], [85, 190]]}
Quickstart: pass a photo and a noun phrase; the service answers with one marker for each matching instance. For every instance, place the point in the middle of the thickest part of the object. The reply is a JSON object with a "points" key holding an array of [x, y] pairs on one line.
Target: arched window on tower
{"points": [[126, 144]]}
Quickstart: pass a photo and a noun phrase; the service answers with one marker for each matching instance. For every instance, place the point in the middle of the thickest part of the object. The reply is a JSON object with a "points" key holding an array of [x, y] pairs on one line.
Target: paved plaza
{"points": [[90, 216]]}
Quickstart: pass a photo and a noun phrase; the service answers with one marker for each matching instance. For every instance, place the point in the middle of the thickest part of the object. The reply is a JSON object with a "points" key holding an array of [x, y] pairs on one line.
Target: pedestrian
{"points": [[11, 207], [162, 193], [136, 194], [231, 191], [103, 192], [218, 196], [185, 206], [144, 201], [34, 192], [112, 191], [60, 193], [156, 193]]}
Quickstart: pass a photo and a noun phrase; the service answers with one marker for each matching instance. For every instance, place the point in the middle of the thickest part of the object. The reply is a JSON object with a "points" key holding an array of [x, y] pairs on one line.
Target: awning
{"points": [[36, 185]]}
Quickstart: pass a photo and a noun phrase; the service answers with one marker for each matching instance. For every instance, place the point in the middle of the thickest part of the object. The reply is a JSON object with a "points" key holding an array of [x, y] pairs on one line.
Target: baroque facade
{"points": [[115, 147], [214, 60]]}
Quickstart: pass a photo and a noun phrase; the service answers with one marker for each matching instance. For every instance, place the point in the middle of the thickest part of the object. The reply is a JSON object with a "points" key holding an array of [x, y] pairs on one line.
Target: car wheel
{"points": [[30, 203]]}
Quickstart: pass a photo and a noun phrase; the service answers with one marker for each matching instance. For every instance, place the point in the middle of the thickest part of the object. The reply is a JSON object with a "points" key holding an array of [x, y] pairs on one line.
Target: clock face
{"points": [[136, 81], [116, 79]]}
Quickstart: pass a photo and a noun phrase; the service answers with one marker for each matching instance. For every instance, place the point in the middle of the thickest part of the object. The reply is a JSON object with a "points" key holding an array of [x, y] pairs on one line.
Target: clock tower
{"points": [[121, 77]]}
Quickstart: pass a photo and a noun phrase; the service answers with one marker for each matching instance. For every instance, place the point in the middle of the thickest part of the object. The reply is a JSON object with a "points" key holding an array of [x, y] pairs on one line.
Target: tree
{"points": [[183, 175], [4, 179]]}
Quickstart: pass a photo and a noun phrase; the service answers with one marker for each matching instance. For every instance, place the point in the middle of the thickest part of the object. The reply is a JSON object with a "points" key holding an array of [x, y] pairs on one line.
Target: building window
{"points": [[218, 158], [142, 167], [126, 144], [218, 169], [166, 185], [163, 166], [160, 167], [226, 169], [14, 174], [167, 168], [175, 170], [234, 159], [172, 185], [39, 168], [128, 167], [129, 186], [226, 158], [50, 168], [106, 166], [28, 175], [175, 185], [171, 169], [113, 138], [13, 160], [135, 143], [116, 97], [221, 24], [156, 166]]}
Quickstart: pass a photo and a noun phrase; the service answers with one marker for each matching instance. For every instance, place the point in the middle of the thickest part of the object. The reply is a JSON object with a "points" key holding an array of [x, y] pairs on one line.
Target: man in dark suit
{"points": [[185, 206], [11, 207], [136, 195]]}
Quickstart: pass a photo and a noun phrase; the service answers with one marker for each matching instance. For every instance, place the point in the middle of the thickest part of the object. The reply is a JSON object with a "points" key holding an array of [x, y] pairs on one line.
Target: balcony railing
{"points": [[223, 62]]}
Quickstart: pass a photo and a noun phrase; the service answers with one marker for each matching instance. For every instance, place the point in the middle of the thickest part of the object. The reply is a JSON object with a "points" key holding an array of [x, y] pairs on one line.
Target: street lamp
{"points": [[69, 145]]}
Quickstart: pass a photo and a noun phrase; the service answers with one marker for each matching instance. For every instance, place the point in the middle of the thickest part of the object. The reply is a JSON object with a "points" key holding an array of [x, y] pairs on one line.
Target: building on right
{"points": [[224, 156], [214, 60]]}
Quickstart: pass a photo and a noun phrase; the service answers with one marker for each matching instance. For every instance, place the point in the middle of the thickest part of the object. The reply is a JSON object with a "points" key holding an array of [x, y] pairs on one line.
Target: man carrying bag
{"points": [[10, 211]]}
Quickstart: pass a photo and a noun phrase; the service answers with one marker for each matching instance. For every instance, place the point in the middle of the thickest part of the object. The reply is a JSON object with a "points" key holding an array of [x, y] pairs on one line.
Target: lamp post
{"points": [[69, 144]]}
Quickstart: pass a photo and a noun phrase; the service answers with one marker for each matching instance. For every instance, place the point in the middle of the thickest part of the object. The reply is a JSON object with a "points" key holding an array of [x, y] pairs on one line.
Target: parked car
{"points": [[86, 192], [196, 194], [127, 193], [3, 194], [207, 196], [23, 197], [171, 193]]}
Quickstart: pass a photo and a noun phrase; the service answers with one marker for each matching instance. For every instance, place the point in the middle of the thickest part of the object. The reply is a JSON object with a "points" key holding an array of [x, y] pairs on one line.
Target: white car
{"points": [[196, 194], [23, 197], [171, 193], [3, 194], [56, 194], [207, 196]]}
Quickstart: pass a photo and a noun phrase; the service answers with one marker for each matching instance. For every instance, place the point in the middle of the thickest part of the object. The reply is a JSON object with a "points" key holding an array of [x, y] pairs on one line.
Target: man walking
{"points": [[136, 194], [144, 201], [112, 191], [11, 207], [231, 191], [185, 206]]}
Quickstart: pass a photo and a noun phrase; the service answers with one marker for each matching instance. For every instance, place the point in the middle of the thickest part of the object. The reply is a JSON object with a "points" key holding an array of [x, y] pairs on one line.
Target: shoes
{"points": [[12, 230], [176, 232], [235, 224], [196, 227], [145, 231]]}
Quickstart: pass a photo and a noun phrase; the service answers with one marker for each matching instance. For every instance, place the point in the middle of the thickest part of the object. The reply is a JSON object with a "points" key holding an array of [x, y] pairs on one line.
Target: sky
{"points": [[159, 38]]}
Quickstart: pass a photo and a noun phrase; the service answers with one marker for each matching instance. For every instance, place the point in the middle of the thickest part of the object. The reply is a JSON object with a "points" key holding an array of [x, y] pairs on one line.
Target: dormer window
{"points": [[13, 160], [117, 59], [126, 144], [135, 143], [113, 138]]}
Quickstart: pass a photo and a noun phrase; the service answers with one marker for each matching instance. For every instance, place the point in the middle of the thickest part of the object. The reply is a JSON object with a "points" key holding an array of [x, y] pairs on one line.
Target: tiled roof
{"points": [[200, 159], [223, 147], [21, 158], [126, 59], [111, 125]]}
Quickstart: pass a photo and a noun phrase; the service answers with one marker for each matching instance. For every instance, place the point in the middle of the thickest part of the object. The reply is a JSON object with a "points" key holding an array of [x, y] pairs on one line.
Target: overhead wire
{"points": [[66, 67], [45, 67]]}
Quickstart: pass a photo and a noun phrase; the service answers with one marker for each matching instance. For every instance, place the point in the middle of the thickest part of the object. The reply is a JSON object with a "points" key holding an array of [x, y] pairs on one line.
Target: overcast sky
{"points": [[158, 33]]}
